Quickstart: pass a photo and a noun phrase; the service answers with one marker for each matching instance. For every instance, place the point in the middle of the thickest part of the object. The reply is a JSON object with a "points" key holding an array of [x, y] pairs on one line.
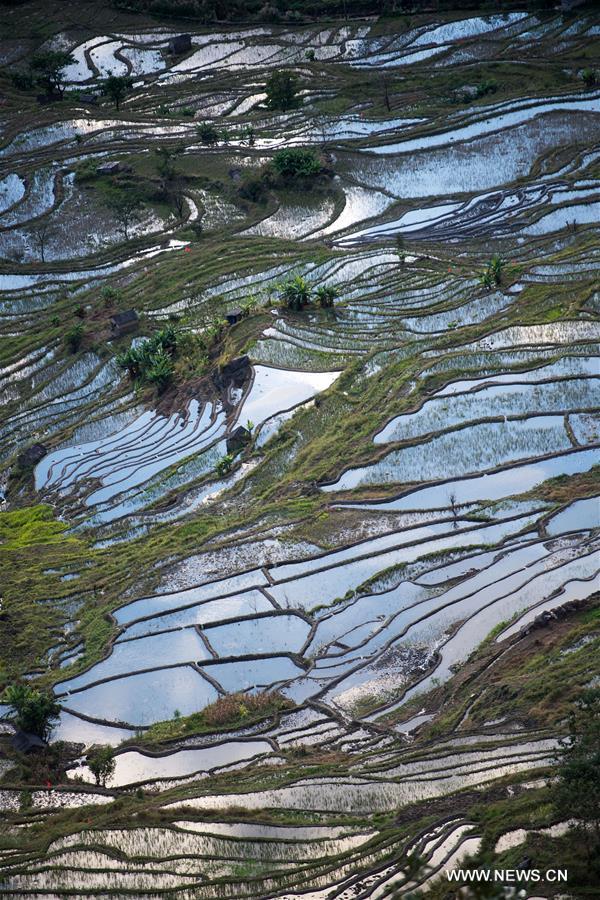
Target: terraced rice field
{"points": [[418, 481]]}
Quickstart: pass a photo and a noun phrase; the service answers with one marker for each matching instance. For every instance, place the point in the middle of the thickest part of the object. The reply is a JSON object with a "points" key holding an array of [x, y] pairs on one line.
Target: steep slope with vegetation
{"points": [[299, 377]]}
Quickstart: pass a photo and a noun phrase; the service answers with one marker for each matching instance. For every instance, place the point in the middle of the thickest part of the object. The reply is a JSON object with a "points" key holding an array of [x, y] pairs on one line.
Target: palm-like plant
{"points": [[295, 292], [326, 295]]}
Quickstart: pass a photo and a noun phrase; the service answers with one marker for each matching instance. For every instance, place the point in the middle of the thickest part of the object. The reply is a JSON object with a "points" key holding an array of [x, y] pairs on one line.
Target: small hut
{"points": [[123, 322], [238, 438], [234, 316], [26, 742], [179, 44]]}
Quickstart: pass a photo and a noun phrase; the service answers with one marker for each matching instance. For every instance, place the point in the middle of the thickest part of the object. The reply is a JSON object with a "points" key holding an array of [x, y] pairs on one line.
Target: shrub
{"points": [[282, 90], [152, 361], [297, 163], [223, 467], [589, 77], [253, 188], [208, 134], [295, 292], [490, 86], [326, 296], [74, 338], [31, 709], [493, 273]]}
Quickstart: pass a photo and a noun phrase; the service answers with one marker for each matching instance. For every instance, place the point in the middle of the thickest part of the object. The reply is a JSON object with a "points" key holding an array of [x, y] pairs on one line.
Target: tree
{"points": [[32, 710], [116, 88], [208, 134], [126, 206], [577, 790], [101, 763], [493, 273], [297, 163], [295, 292], [74, 337], [161, 370], [282, 90], [326, 295], [47, 67], [40, 234]]}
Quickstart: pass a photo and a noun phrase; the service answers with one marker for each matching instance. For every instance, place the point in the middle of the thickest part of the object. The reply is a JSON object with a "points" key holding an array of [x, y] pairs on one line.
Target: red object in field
{"points": [[48, 784], [188, 250]]}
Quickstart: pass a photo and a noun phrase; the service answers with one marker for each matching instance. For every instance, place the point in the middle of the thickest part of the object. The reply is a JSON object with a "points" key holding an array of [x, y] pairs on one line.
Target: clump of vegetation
{"points": [[126, 204], [489, 86], [576, 793], [32, 710], [208, 134], [152, 361], [282, 90], [296, 293], [223, 466], [101, 763], [116, 88], [326, 295], [296, 162], [588, 77], [492, 276], [226, 712], [253, 188], [74, 338], [47, 70]]}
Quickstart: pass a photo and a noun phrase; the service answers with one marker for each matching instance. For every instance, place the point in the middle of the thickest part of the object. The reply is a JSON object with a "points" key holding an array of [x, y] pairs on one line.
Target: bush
{"points": [[326, 296], [487, 87], [295, 292], [253, 188], [74, 338], [297, 163], [493, 273], [86, 171], [208, 134], [282, 90], [223, 467], [152, 361], [32, 710], [589, 77]]}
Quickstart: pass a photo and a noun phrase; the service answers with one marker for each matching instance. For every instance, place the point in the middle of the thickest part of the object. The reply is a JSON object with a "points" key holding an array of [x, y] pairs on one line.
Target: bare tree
{"points": [[386, 91], [41, 234]]}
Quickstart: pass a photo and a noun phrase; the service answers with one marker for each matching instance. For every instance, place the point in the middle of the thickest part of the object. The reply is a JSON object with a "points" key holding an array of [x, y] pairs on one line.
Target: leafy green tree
{"points": [[577, 789], [208, 134], [295, 292], [326, 295], [32, 710], [101, 763], [297, 163], [116, 88], [282, 90], [126, 206], [47, 67]]}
